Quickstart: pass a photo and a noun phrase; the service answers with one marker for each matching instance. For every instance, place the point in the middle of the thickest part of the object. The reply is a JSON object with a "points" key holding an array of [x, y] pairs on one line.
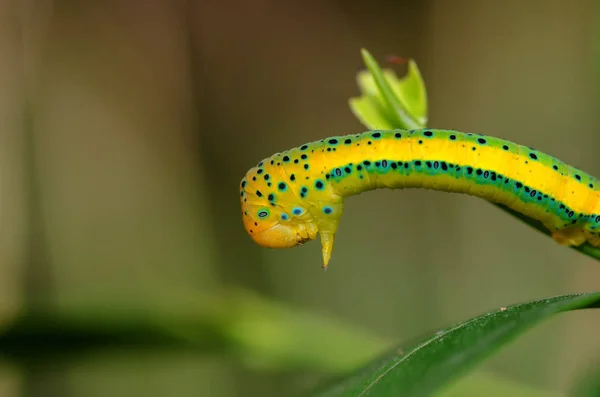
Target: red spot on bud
{"points": [[397, 60]]}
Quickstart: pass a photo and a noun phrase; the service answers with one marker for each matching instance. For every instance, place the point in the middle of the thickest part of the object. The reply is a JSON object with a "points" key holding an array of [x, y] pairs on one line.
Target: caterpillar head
{"points": [[283, 222], [275, 227]]}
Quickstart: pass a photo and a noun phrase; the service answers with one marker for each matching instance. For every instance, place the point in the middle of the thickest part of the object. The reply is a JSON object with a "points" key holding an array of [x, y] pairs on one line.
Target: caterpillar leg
{"points": [[570, 236], [593, 238]]}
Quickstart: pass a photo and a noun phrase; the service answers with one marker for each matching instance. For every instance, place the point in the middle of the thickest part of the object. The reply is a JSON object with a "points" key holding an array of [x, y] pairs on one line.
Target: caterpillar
{"points": [[290, 197]]}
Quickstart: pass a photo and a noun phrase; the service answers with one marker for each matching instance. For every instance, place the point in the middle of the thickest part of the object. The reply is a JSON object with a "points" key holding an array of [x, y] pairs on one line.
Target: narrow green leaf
{"points": [[411, 91], [371, 108], [394, 99], [422, 368], [261, 333], [370, 112]]}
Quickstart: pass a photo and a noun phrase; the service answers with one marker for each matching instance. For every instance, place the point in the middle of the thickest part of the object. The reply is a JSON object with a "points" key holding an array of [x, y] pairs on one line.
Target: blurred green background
{"points": [[126, 127]]}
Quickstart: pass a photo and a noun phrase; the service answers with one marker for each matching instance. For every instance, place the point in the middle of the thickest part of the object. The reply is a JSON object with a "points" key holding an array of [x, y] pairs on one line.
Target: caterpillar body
{"points": [[290, 197]]}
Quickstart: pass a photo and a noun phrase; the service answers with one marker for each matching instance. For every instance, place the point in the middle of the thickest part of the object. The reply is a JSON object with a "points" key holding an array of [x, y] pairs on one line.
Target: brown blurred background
{"points": [[126, 127]]}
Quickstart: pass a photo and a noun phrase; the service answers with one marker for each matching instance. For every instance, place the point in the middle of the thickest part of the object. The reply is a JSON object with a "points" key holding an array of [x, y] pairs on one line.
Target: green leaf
{"points": [[388, 102], [422, 368], [263, 334], [370, 112], [411, 92]]}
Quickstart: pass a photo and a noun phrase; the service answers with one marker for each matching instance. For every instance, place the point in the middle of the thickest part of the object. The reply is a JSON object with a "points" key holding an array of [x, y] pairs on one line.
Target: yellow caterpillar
{"points": [[290, 197]]}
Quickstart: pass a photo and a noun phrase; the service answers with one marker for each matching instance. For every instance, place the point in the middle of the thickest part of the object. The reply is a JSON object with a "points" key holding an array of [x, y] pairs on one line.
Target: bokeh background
{"points": [[126, 127]]}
